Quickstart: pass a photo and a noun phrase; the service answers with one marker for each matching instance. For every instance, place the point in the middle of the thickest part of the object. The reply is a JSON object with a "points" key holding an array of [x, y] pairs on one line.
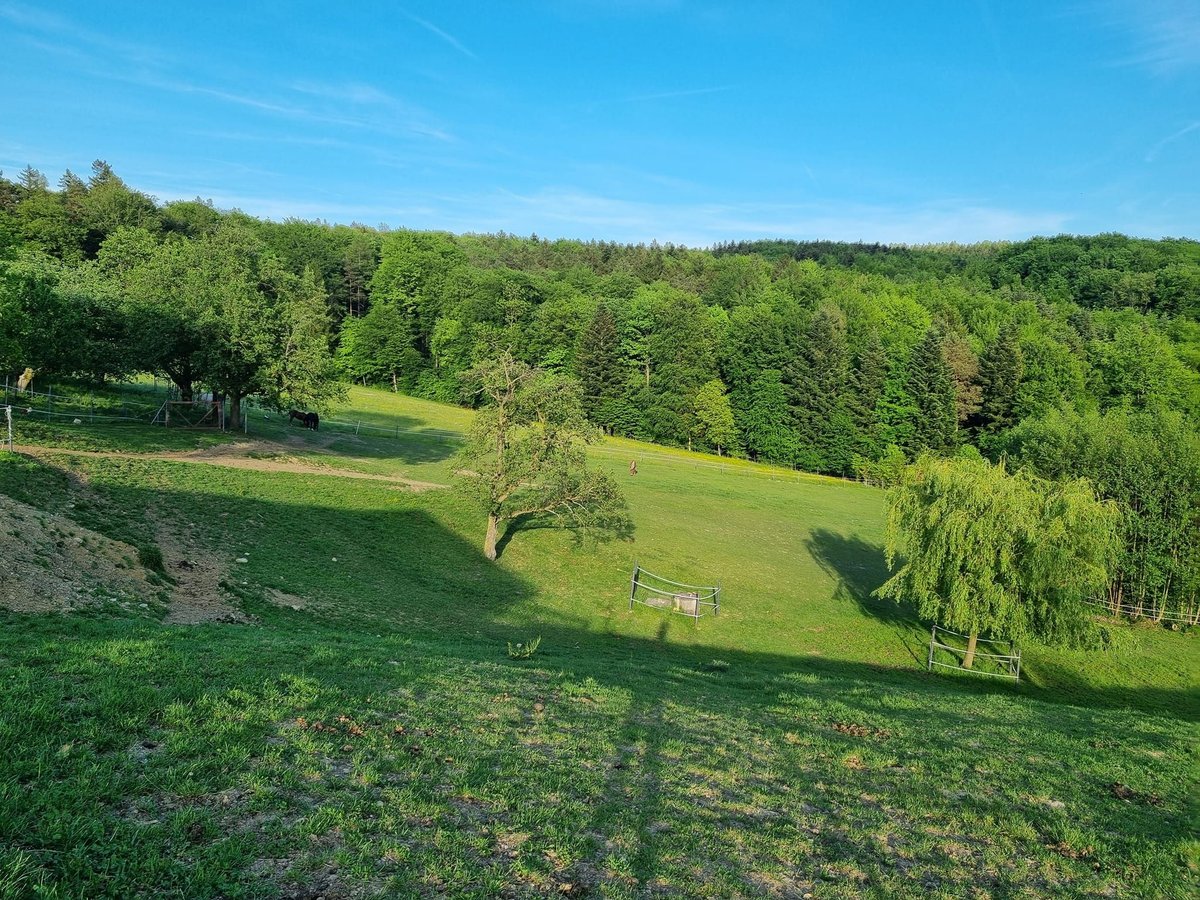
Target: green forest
{"points": [[1070, 356]]}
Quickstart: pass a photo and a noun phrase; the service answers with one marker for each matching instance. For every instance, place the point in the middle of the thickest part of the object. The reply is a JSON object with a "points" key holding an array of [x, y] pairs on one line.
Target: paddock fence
{"points": [[692, 600], [948, 650]]}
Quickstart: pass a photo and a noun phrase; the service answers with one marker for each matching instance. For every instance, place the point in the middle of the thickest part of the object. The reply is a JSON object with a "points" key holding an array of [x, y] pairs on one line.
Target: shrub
{"points": [[151, 557], [524, 650]]}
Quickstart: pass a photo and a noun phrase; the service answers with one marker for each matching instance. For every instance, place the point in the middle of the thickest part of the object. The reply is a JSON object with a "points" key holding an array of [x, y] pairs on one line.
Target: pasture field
{"points": [[347, 722]]}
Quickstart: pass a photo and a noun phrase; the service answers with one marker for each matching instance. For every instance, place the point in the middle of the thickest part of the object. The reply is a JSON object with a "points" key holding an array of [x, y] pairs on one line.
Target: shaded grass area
{"points": [[791, 745]]}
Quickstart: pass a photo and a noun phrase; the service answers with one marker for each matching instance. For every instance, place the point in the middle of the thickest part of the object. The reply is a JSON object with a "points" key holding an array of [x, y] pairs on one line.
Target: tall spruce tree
{"points": [[932, 389], [1000, 370], [818, 385], [598, 365], [867, 382], [964, 373]]}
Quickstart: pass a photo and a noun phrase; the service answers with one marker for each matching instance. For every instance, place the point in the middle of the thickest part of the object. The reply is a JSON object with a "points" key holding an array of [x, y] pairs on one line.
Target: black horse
{"points": [[307, 419]]}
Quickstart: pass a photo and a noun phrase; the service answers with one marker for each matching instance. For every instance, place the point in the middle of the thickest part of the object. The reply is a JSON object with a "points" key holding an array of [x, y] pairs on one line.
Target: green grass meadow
{"points": [[378, 741]]}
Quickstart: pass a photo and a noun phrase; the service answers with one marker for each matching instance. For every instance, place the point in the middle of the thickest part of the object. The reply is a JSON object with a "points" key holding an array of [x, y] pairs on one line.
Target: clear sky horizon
{"points": [[628, 120]]}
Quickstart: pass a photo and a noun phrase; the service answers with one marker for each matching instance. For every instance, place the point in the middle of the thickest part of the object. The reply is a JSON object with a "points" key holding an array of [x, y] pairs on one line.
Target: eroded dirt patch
{"points": [[50, 564], [197, 595]]}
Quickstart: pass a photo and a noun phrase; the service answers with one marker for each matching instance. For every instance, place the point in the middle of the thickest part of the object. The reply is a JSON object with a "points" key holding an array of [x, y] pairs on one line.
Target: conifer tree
{"points": [[598, 365], [818, 383], [964, 374], [930, 386], [867, 382], [766, 423], [1000, 370]]}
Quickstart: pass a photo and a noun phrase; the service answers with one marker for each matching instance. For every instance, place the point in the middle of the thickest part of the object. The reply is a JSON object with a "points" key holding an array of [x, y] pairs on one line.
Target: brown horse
{"points": [[307, 419]]}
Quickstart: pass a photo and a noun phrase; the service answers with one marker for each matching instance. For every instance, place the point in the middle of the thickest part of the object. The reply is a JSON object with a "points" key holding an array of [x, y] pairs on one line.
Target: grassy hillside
{"points": [[367, 733]]}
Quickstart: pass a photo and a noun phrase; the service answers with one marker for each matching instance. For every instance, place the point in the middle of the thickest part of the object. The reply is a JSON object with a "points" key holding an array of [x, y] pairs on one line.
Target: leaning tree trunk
{"points": [[969, 659], [489, 540]]}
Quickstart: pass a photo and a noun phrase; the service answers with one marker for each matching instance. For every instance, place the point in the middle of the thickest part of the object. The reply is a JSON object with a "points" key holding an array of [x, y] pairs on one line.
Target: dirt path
{"points": [[235, 456], [197, 595]]}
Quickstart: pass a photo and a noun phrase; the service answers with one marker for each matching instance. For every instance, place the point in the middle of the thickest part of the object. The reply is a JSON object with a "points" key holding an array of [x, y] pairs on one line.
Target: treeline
{"points": [[839, 358]]}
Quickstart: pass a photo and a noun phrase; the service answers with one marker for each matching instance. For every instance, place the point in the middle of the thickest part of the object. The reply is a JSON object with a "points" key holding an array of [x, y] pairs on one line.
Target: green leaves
{"points": [[525, 455], [993, 553]]}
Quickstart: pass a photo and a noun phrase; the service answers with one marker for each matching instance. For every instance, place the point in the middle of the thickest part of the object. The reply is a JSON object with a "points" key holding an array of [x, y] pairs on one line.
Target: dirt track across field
{"points": [[236, 456]]}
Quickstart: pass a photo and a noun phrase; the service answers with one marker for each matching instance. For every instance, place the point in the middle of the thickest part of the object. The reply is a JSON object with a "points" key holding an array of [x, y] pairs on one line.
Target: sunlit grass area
{"points": [[366, 733]]}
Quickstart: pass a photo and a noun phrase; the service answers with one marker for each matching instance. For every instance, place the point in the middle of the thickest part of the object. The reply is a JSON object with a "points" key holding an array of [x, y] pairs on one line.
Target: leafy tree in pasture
{"points": [[525, 455], [714, 417], [164, 331], [53, 321], [988, 552], [598, 366], [261, 333], [1000, 369]]}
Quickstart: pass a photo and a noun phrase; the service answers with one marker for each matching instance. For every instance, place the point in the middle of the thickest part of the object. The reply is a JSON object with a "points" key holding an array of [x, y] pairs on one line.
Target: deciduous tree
{"points": [[988, 552], [525, 456]]}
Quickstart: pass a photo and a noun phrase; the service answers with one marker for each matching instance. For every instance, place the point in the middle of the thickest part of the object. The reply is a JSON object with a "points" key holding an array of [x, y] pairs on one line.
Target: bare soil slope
{"points": [[50, 564]]}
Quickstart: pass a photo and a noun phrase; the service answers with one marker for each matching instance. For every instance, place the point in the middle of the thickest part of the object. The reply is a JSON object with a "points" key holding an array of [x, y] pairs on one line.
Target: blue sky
{"points": [[631, 120]]}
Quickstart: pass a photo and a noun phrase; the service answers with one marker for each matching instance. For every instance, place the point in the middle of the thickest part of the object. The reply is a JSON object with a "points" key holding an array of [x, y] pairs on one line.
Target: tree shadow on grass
{"points": [[859, 568], [621, 529], [696, 747]]}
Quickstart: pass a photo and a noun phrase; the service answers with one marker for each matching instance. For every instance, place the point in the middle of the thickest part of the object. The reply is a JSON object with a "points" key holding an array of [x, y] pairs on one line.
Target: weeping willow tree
{"points": [[988, 552]]}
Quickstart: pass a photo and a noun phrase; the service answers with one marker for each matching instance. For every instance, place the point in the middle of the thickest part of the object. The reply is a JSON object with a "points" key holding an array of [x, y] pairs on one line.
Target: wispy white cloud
{"points": [[1165, 33], [580, 214], [350, 105], [62, 29], [573, 213], [1152, 153], [444, 35], [368, 97]]}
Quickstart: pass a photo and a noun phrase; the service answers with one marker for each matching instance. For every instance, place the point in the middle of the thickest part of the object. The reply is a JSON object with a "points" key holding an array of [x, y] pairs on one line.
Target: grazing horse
{"points": [[307, 419]]}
